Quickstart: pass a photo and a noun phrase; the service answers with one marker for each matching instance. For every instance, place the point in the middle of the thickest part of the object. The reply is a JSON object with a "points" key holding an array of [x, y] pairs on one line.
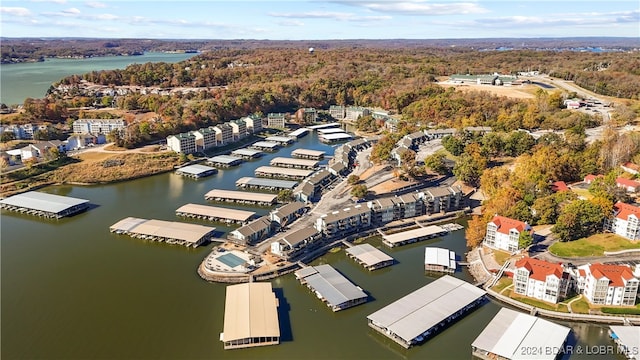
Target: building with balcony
{"points": [[503, 233], [239, 129], [625, 221], [276, 120], [345, 222], [224, 134], [205, 138], [184, 143], [540, 280], [607, 284]]}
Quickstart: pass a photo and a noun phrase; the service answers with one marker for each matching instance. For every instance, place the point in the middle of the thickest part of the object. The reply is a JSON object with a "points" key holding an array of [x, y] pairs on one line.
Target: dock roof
{"points": [[196, 169], [628, 336], [283, 139], [218, 212], [167, 229], [322, 126], [250, 311], [368, 254], [283, 171], [330, 284], [294, 161], [337, 136], [440, 256], [246, 152], [307, 152], [43, 202], [510, 331], [241, 195], [426, 307], [330, 131], [415, 233], [266, 144], [298, 132], [284, 184], [224, 159]]}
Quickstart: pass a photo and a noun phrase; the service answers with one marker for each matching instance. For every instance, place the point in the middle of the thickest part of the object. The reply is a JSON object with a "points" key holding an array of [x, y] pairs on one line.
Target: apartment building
{"points": [[344, 222], [184, 143], [352, 113], [224, 134], [276, 120], [337, 112], [205, 138], [540, 280], [253, 123], [625, 221], [239, 129], [607, 284], [98, 126], [442, 199], [504, 233]]}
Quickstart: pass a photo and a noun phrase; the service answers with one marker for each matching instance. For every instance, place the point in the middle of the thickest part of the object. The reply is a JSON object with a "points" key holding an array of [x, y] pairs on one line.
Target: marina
{"points": [[369, 257], [298, 133], [241, 197], [331, 287], [250, 316], [217, 214], [282, 140], [171, 232], [415, 235], [224, 161], [323, 126], [308, 154], [333, 138], [439, 260], [43, 204], [275, 185], [424, 312], [266, 146], [330, 131], [196, 171], [294, 163], [247, 154], [283, 173]]}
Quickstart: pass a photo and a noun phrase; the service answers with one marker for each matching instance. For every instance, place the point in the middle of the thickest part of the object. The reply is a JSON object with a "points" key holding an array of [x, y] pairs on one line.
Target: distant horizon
{"points": [[309, 20], [328, 39]]}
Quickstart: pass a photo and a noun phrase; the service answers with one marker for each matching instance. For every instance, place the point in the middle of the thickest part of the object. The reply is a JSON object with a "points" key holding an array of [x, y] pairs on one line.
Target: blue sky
{"points": [[314, 20]]}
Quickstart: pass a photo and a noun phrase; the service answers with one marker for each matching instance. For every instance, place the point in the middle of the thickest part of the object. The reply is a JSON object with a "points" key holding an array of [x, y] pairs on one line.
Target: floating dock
{"points": [[514, 335], [43, 204], [247, 154], [250, 316], [369, 257], [241, 197], [298, 133], [322, 126], [412, 236], [284, 173], [308, 154], [224, 161], [330, 131], [213, 213], [331, 138], [439, 260], [424, 312], [196, 171], [627, 339], [294, 163], [266, 145], [282, 140], [171, 232], [331, 287], [265, 184]]}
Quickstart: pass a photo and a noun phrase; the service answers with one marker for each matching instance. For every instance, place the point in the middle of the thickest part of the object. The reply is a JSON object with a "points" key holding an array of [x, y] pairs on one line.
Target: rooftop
{"points": [[297, 236], [195, 169], [218, 212], [284, 184], [330, 284], [415, 233], [629, 336], [330, 131], [240, 195], [307, 152], [440, 256], [294, 161], [250, 311], [43, 202], [246, 152], [322, 126], [166, 229], [368, 254], [224, 159], [336, 136], [283, 171], [346, 213], [266, 144]]}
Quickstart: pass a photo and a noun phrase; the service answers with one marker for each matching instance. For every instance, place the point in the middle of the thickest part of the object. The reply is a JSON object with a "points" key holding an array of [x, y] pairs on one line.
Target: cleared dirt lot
{"points": [[517, 91]]}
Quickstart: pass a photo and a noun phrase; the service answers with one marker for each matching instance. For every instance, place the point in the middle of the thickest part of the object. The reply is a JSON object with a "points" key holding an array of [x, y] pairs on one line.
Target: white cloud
{"points": [[340, 16], [419, 7], [51, 1], [106, 17], [15, 11], [71, 11], [95, 4], [290, 23], [557, 20]]}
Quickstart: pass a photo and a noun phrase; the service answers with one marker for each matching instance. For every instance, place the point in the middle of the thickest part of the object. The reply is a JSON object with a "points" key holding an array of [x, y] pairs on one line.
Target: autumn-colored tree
{"points": [[353, 179], [494, 179], [359, 191], [436, 163], [476, 230]]}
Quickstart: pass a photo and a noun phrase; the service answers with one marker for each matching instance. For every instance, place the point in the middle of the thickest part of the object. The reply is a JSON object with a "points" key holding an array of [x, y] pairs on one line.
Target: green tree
{"points": [[453, 144], [525, 239], [285, 195], [578, 219], [436, 162], [7, 136], [468, 169], [359, 191], [353, 179]]}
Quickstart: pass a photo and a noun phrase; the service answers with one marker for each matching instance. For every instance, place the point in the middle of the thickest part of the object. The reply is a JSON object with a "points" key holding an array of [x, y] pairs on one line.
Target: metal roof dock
{"points": [[224, 161], [43, 204], [196, 171], [510, 334], [419, 315], [278, 172], [213, 213], [266, 145], [282, 140], [331, 287], [415, 235], [165, 231], [294, 163], [250, 316], [628, 340], [369, 257], [241, 197], [298, 133], [247, 154], [322, 126], [330, 131], [308, 154], [439, 259], [265, 184], [328, 138]]}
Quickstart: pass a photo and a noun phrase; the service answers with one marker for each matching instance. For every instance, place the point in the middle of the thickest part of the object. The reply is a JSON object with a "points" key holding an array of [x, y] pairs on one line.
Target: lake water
{"points": [[24, 80], [72, 290]]}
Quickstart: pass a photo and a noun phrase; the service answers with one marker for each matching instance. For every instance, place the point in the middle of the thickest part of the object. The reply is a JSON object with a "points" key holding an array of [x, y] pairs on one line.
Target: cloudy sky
{"points": [[312, 20]]}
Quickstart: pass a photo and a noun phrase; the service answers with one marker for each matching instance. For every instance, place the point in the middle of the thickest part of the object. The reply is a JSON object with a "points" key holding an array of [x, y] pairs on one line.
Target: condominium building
{"points": [[442, 199], [504, 233], [224, 134], [276, 120], [352, 113], [306, 115], [606, 284], [98, 126], [337, 112], [345, 222], [184, 143], [239, 129], [625, 221], [205, 138], [540, 280], [253, 123]]}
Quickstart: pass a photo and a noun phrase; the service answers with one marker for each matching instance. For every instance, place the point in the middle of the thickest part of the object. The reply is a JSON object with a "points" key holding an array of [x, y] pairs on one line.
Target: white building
{"points": [[337, 112], [238, 128], [345, 222], [98, 126], [184, 143], [275, 120], [625, 221], [205, 138], [540, 280], [606, 284], [352, 113], [224, 134], [504, 233], [253, 123]]}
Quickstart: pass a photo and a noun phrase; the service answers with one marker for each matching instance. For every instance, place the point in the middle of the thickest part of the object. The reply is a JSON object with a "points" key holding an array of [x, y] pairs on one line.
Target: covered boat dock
{"points": [[308, 154], [294, 163], [241, 197], [282, 140], [266, 145], [171, 232], [439, 260], [247, 154], [213, 213], [415, 235], [322, 126], [298, 133], [265, 184], [43, 204], [250, 316], [330, 131], [196, 171], [331, 287], [369, 257], [331, 138], [424, 312], [224, 161], [284, 173]]}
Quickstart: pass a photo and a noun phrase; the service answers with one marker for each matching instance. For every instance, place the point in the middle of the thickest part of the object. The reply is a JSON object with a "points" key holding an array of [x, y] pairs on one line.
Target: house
{"points": [[559, 186], [239, 129], [628, 185], [224, 134], [81, 141], [253, 123], [40, 149], [276, 120], [205, 138], [305, 192], [625, 221], [253, 232], [288, 213], [631, 168], [184, 143], [607, 284], [391, 125], [504, 233], [589, 178], [306, 116], [541, 280]]}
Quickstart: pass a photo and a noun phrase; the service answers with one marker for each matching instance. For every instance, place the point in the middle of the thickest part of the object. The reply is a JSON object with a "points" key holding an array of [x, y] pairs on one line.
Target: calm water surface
{"points": [[72, 290], [21, 81]]}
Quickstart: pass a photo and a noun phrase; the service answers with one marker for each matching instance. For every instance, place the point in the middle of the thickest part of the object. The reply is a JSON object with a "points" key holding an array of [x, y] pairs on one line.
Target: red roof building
{"points": [[631, 168], [504, 233], [540, 280], [619, 281], [589, 178], [627, 184], [559, 186]]}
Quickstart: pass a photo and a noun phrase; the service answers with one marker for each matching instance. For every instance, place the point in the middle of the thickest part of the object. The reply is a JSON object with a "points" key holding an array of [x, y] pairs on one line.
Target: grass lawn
{"points": [[501, 256], [635, 310], [594, 245], [580, 306], [502, 283], [537, 303], [582, 193]]}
